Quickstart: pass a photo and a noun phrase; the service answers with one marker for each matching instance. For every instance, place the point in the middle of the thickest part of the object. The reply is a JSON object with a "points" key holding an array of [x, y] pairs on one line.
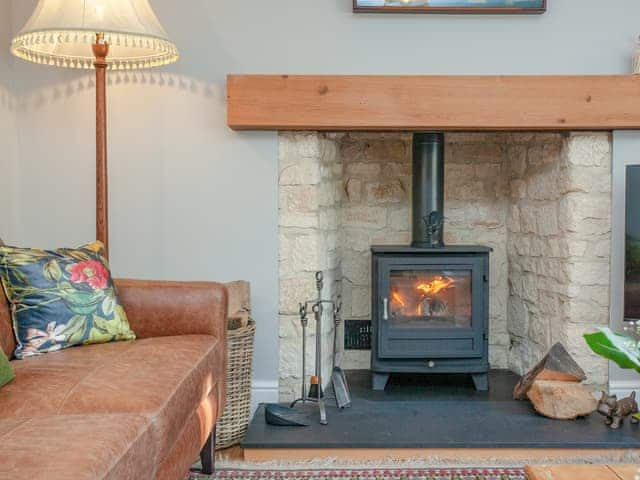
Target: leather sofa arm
{"points": [[161, 309]]}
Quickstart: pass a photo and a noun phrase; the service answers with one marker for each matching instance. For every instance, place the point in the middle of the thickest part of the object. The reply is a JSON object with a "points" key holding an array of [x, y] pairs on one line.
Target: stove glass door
{"points": [[430, 306], [420, 299]]}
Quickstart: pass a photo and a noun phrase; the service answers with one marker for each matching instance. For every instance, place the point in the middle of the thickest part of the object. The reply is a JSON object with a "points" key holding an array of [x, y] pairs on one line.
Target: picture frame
{"points": [[451, 6]]}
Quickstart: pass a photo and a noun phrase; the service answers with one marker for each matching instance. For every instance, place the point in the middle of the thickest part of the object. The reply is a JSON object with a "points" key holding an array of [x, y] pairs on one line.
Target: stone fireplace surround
{"points": [[541, 200]]}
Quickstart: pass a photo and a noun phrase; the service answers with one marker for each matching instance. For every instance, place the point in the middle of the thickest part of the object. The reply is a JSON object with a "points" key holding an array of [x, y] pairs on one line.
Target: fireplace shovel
{"points": [[338, 378]]}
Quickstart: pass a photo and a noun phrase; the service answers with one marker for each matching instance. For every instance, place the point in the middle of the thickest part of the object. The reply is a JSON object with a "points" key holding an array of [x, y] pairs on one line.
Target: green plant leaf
{"points": [[102, 330], [75, 329], [120, 314], [77, 255], [20, 277], [81, 302], [52, 271], [23, 259], [108, 305], [101, 323], [615, 347]]}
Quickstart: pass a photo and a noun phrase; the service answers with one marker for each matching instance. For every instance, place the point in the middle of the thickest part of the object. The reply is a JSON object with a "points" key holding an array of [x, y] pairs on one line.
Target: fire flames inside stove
{"points": [[421, 299]]}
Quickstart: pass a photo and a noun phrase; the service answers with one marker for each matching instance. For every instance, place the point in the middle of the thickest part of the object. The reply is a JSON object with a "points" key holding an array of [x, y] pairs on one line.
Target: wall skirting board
{"points": [[623, 388], [263, 391]]}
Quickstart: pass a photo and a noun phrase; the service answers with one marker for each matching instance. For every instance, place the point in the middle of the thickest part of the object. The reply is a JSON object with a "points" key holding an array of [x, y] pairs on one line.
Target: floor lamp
{"points": [[100, 34]]}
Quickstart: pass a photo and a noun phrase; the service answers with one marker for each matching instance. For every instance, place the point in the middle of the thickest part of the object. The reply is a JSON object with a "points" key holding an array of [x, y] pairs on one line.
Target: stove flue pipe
{"points": [[428, 190]]}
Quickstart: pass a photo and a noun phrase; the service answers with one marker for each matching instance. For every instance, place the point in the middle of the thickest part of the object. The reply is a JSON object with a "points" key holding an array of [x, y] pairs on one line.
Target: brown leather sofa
{"points": [[128, 410]]}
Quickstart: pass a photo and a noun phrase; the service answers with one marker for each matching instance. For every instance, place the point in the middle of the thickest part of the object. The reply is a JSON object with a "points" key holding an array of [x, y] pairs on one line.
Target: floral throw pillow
{"points": [[61, 298]]}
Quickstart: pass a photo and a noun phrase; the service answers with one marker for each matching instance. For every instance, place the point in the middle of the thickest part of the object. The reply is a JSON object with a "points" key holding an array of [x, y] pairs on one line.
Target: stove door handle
{"points": [[385, 309]]}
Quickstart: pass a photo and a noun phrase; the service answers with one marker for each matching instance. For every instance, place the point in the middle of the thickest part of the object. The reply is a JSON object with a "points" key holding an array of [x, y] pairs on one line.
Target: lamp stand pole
{"points": [[100, 51]]}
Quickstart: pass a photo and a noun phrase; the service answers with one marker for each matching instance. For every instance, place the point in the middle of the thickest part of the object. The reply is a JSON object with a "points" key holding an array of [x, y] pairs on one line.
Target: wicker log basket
{"points": [[233, 423]]}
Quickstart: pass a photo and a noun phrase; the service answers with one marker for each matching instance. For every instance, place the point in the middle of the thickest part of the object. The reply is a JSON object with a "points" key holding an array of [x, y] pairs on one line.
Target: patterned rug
{"points": [[369, 474]]}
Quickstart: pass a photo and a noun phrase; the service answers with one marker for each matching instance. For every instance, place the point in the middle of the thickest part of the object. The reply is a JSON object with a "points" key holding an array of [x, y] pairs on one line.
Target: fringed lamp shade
{"points": [[61, 32]]}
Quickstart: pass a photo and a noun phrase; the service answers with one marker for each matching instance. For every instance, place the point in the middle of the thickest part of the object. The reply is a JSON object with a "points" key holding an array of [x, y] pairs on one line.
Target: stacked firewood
{"points": [[554, 387], [239, 304]]}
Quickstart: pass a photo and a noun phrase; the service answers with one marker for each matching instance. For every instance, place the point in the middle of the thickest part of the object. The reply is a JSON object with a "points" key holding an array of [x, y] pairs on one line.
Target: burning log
{"points": [[557, 365], [437, 285]]}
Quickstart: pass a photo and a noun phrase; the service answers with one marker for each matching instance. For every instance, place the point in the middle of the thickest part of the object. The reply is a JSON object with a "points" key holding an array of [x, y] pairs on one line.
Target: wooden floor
{"points": [[261, 455], [481, 455], [534, 472], [583, 472], [232, 453]]}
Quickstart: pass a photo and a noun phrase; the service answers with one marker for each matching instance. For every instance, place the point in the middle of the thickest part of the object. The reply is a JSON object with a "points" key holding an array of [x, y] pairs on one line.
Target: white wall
{"points": [[192, 199], [8, 137]]}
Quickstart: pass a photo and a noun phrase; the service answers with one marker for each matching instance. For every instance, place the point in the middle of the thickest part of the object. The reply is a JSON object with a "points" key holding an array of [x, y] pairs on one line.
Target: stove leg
{"points": [[481, 381], [379, 380]]}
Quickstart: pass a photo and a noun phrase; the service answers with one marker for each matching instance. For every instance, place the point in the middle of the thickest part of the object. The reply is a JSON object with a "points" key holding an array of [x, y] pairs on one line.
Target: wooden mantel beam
{"points": [[450, 103]]}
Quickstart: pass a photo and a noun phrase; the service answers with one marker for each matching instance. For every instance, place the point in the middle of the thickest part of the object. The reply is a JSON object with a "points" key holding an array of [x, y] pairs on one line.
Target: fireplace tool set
{"points": [[283, 416], [338, 379]]}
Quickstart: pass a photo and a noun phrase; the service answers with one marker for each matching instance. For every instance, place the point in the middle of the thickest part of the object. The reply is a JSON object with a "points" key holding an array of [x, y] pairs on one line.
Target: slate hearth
{"points": [[438, 412]]}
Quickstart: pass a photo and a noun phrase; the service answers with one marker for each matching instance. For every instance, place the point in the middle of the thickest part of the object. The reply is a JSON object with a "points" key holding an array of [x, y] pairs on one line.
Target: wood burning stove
{"points": [[430, 301]]}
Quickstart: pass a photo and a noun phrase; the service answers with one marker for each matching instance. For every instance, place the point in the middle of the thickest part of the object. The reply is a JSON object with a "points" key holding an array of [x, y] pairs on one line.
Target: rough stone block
{"points": [[580, 179], [518, 316], [470, 190], [393, 150], [589, 149], [364, 216], [295, 290], [299, 198], [305, 171], [543, 187], [385, 192], [361, 302], [308, 253], [590, 273], [457, 174], [365, 171], [353, 189], [539, 329], [577, 209], [299, 220], [475, 152], [357, 360], [516, 158], [498, 357], [397, 170], [552, 152], [391, 238], [518, 189], [328, 219], [294, 146], [585, 312], [358, 239], [357, 268], [290, 328], [399, 219]]}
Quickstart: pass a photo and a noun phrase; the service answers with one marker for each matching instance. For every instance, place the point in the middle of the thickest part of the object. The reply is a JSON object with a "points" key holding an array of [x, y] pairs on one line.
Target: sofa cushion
{"points": [[79, 447], [61, 298], [164, 379]]}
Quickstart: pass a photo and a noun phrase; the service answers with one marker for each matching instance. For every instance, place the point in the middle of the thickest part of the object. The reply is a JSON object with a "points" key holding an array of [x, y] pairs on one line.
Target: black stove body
{"points": [[430, 311]]}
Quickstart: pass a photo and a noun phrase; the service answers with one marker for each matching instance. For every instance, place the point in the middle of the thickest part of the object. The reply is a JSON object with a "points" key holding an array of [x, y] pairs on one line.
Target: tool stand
{"points": [[315, 393]]}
